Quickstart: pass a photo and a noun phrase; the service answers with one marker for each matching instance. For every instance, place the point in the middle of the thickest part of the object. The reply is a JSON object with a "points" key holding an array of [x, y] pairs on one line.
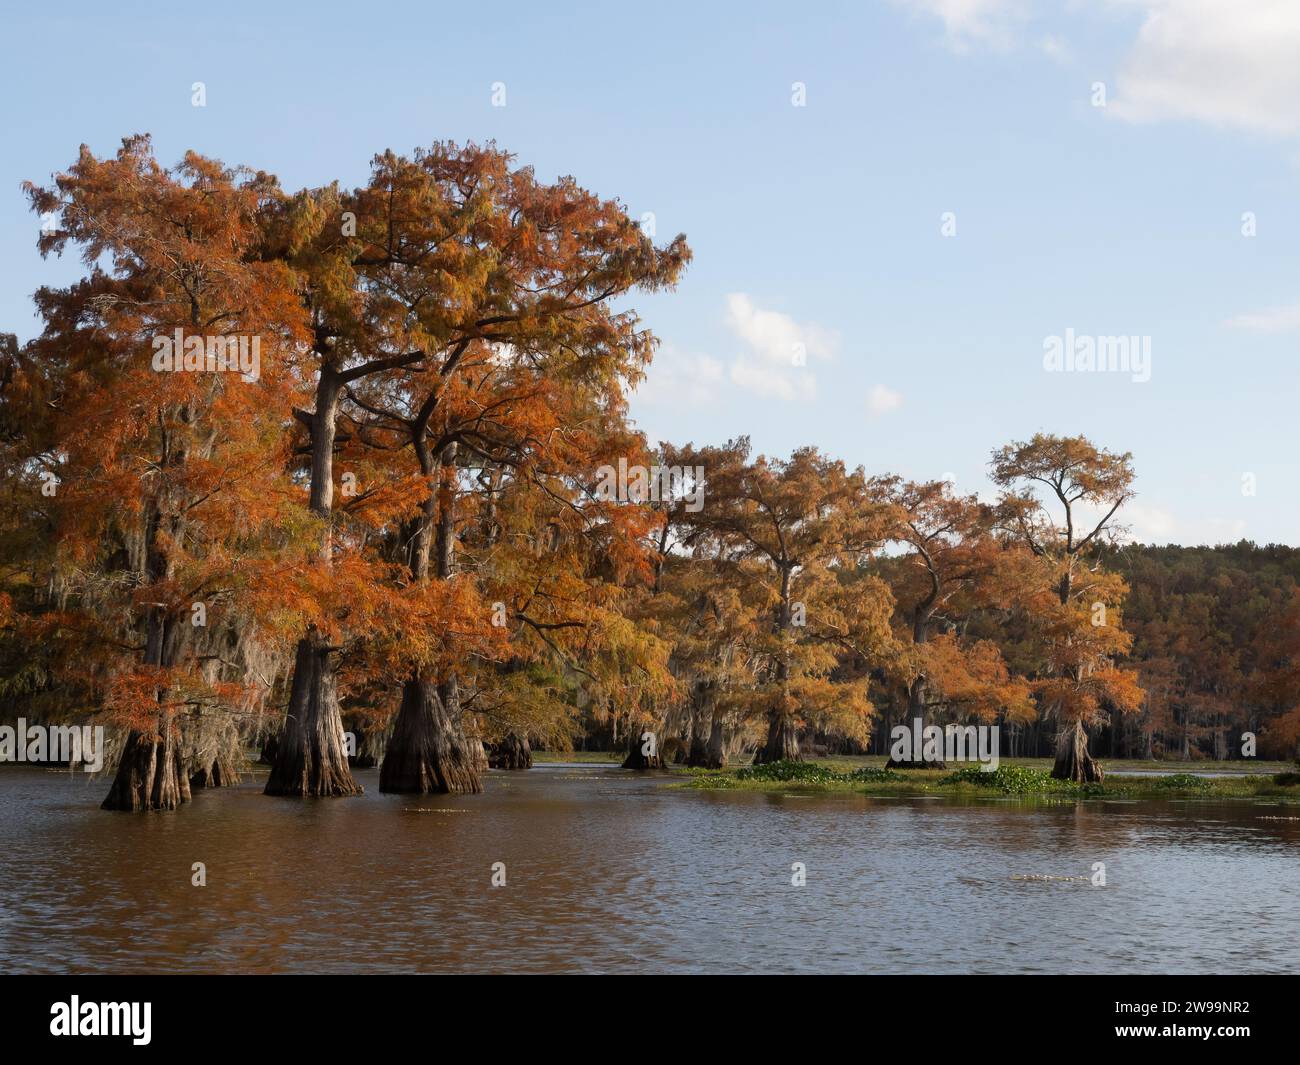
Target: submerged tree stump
{"points": [[369, 749], [220, 772], [512, 752], [642, 754], [270, 746], [149, 775], [782, 742], [892, 764], [1073, 762]]}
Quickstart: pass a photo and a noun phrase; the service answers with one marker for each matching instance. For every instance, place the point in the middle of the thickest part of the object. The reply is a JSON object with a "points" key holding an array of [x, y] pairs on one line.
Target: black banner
{"points": [[151, 1013]]}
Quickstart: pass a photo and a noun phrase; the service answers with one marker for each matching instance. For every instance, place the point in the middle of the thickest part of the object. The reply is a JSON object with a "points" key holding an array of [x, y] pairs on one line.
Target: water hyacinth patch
{"points": [[1183, 782], [789, 771], [1010, 779]]}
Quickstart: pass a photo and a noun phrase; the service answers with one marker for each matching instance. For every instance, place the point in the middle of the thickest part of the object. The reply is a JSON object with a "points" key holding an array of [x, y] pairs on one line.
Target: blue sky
{"points": [[819, 224]]}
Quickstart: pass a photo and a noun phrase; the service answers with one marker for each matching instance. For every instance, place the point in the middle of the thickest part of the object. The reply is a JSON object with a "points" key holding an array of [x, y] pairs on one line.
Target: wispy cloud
{"points": [[1142, 522], [882, 400], [676, 376], [775, 362], [1227, 63], [1276, 320], [968, 23], [771, 382]]}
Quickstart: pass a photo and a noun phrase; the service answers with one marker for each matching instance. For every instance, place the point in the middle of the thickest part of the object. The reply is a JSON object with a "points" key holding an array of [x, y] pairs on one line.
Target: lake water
{"points": [[607, 870]]}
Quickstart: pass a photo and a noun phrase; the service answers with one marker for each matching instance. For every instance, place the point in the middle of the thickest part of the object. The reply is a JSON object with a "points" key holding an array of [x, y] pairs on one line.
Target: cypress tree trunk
{"points": [[149, 775], [701, 712], [636, 758], [478, 754], [782, 741], [311, 758], [916, 707], [429, 753], [782, 737], [432, 749], [270, 745], [369, 746], [716, 754], [219, 773], [919, 689], [512, 752], [1073, 762]]}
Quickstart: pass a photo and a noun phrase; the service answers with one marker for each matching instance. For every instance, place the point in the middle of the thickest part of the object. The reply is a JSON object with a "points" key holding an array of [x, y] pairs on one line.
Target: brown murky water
{"points": [[610, 871]]}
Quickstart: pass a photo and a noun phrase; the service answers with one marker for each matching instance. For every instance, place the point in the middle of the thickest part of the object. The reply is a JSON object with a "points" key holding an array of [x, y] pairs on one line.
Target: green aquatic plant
{"points": [[1011, 780], [791, 772], [712, 781], [1184, 782], [871, 774]]}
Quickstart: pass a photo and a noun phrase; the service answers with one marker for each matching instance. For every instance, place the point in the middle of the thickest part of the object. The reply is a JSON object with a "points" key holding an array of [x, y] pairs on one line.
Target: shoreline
{"points": [[1020, 778], [1020, 782], [1015, 778]]}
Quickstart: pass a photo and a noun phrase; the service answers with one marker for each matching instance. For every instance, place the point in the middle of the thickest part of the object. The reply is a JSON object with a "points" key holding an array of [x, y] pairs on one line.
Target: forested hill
{"points": [[1215, 647], [1216, 639]]}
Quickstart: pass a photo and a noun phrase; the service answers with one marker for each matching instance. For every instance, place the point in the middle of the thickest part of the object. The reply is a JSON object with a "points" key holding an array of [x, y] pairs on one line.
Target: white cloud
{"points": [[1151, 525], [1143, 523], [776, 364], [1276, 320], [1147, 525], [990, 23], [1230, 63], [1055, 48], [1221, 531], [676, 377], [882, 400], [774, 336], [771, 382]]}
